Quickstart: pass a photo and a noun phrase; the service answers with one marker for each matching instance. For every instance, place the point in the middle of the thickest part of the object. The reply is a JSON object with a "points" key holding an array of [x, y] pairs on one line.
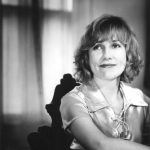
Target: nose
{"points": [[107, 53]]}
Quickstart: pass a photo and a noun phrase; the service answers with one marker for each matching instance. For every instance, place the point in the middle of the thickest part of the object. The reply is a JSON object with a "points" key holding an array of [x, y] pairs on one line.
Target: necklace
{"points": [[120, 126]]}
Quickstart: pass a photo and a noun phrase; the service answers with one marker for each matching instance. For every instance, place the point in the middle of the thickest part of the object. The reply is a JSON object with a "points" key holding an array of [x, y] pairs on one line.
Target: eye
{"points": [[116, 45], [98, 46]]}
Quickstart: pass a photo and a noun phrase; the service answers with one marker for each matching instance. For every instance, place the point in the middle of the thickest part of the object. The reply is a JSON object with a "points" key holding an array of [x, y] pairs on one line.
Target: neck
{"points": [[111, 86], [111, 92]]}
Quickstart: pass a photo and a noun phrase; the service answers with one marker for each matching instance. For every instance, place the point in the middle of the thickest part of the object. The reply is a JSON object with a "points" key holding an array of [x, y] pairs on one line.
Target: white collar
{"points": [[132, 96]]}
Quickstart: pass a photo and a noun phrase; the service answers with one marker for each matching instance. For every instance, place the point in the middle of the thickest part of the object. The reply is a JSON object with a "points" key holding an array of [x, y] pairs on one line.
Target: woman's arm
{"points": [[90, 137]]}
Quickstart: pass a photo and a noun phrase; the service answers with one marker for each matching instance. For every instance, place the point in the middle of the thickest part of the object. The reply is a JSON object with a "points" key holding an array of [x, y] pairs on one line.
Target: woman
{"points": [[104, 112]]}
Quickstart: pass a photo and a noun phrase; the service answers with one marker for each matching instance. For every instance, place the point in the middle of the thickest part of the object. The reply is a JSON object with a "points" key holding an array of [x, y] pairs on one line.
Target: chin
{"points": [[111, 76]]}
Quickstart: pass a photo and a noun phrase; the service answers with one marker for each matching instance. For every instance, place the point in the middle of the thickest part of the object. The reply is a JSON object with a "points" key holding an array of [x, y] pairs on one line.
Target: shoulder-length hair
{"points": [[106, 28]]}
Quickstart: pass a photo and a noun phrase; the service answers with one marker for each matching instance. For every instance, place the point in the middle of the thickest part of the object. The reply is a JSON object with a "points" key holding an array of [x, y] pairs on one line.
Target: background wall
{"points": [[38, 43]]}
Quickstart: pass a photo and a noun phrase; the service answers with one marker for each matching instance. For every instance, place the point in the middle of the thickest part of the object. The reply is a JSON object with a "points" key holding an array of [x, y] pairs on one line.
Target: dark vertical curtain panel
{"points": [[23, 104], [147, 61], [1, 88]]}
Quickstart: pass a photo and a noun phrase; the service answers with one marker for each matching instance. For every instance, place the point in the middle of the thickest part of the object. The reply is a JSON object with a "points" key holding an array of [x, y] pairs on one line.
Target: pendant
{"points": [[125, 133], [121, 129]]}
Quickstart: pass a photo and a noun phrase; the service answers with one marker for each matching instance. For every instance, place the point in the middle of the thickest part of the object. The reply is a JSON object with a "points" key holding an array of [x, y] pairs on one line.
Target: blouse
{"points": [[128, 124]]}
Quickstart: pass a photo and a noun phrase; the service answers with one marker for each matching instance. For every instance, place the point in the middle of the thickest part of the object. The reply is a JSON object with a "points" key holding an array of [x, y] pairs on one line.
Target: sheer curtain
{"points": [[23, 106], [22, 91], [57, 50]]}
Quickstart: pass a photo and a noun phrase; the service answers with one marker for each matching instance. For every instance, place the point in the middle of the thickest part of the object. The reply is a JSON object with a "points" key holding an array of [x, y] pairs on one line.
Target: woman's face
{"points": [[107, 59]]}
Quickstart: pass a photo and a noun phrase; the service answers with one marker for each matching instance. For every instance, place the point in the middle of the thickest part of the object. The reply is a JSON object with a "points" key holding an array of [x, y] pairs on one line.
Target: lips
{"points": [[107, 65]]}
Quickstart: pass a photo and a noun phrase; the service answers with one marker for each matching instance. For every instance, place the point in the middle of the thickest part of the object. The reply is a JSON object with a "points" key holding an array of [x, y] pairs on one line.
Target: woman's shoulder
{"points": [[75, 92], [128, 87], [135, 95], [74, 96]]}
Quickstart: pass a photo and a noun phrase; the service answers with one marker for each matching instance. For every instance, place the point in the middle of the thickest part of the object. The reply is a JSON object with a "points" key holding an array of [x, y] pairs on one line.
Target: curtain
{"points": [[22, 91], [57, 57], [23, 106]]}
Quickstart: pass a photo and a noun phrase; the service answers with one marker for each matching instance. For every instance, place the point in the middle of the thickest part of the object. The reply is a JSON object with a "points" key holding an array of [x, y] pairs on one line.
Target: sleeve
{"points": [[72, 107]]}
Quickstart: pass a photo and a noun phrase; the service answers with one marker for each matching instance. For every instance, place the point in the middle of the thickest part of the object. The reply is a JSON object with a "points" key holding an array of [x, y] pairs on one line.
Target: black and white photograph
{"points": [[74, 75]]}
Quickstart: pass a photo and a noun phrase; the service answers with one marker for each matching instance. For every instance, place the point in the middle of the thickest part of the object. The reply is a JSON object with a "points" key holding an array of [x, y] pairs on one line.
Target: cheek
{"points": [[93, 59], [93, 62], [122, 59]]}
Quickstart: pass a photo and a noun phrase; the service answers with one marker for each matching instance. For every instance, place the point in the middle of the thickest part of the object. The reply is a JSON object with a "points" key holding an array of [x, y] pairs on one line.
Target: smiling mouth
{"points": [[107, 65]]}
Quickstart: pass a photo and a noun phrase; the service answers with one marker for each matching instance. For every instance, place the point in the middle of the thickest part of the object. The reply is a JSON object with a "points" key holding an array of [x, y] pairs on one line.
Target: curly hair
{"points": [[106, 28]]}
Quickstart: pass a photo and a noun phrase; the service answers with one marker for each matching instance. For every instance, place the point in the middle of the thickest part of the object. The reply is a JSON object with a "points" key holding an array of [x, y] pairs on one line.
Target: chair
{"points": [[54, 137]]}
